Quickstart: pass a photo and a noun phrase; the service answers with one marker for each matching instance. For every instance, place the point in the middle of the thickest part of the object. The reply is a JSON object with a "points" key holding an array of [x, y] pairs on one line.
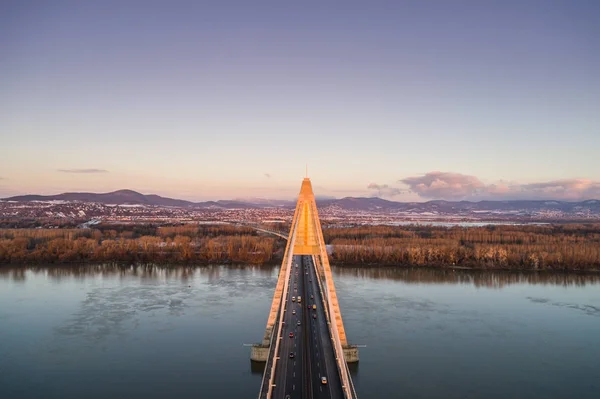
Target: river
{"points": [[152, 332]]}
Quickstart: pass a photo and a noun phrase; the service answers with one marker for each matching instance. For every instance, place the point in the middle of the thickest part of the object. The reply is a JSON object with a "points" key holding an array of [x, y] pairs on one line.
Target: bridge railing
{"points": [[264, 388], [288, 268]]}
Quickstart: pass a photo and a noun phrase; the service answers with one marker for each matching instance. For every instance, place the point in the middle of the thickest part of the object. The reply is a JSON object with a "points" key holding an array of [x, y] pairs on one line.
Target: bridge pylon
{"points": [[305, 238]]}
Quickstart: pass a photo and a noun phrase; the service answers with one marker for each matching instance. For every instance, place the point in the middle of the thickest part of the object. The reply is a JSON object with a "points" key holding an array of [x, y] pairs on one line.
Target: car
{"points": [[293, 299], [310, 281], [323, 380], [314, 315], [294, 311], [291, 335], [311, 297], [298, 323], [292, 356], [308, 306]]}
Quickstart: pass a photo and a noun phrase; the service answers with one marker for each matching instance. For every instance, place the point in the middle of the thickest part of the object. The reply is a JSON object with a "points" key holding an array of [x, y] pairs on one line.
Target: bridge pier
{"points": [[259, 353], [351, 353]]}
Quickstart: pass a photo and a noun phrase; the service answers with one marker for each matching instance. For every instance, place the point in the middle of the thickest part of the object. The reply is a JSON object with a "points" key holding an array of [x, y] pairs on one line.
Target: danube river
{"points": [[148, 332]]}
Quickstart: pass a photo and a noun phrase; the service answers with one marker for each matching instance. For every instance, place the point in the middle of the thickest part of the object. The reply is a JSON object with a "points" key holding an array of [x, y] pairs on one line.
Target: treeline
{"points": [[533, 247], [217, 243], [539, 247]]}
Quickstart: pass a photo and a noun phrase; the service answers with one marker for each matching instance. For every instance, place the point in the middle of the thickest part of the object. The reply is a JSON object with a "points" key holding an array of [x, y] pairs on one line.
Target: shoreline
{"points": [[371, 265]]}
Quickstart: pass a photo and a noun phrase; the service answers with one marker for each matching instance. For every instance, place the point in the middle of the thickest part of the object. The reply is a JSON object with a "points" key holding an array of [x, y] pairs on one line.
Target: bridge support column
{"points": [[351, 353], [260, 353]]}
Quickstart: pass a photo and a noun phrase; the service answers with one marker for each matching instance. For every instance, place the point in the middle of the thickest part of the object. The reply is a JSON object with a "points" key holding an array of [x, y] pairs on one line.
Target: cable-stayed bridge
{"points": [[305, 346]]}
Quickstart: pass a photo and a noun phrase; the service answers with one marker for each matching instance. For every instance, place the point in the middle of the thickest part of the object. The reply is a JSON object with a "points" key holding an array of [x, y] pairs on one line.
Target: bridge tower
{"points": [[305, 238]]}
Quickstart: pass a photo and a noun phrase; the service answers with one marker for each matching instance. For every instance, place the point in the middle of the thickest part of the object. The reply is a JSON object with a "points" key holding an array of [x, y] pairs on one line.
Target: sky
{"points": [[406, 100]]}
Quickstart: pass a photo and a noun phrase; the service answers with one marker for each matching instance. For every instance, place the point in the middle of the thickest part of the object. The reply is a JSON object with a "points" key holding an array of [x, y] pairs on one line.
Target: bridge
{"points": [[304, 345]]}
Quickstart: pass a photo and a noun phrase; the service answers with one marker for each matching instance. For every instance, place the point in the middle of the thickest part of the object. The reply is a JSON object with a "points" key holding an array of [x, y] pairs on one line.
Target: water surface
{"points": [[149, 332]]}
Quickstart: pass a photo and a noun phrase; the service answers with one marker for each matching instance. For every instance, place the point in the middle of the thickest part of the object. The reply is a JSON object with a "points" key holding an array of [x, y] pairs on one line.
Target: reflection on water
{"points": [[99, 331], [144, 272], [423, 275], [478, 278]]}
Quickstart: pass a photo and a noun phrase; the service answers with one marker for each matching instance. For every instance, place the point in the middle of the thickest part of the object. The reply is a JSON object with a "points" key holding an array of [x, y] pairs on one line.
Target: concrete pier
{"points": [[259, 353], [351, 353]]}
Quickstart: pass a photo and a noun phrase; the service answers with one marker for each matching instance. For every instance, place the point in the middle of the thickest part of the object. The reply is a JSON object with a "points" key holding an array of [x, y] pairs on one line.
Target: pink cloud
{"points": [[384, 190], [446, 185]]}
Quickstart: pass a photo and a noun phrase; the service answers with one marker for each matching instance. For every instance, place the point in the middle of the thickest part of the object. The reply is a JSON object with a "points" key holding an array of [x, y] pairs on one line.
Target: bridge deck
{"points": [[307, 338], [313, 356]]}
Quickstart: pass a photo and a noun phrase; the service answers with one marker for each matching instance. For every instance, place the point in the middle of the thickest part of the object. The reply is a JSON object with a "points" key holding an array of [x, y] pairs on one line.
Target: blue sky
{"points": [[409, 100]]}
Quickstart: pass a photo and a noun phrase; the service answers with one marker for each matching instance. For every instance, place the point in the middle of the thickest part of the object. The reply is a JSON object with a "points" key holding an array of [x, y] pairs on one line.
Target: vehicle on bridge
{"points": [[293, 299], [323, 380], [314, 307], [299, 299], [291, 335]]}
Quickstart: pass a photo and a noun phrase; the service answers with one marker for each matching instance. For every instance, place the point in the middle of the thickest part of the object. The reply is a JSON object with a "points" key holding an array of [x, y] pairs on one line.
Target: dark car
{"points": [[291, 335], [292, 355], [314, 315]]}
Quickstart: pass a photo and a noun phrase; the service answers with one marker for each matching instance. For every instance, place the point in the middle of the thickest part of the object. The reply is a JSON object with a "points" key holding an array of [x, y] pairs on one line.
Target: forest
{"points": [[531, 247], [139, 243], [526, 247]]}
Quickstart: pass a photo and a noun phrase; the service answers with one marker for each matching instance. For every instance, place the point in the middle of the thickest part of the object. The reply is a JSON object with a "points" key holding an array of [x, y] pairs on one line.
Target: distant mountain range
{"points": [[373, 204], [130, 197]]}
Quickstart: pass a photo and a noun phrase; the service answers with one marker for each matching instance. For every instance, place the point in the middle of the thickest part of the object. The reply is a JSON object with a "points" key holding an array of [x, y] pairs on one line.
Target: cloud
{"points": [[268, 175], [568, 189], [447, 185], [384, 190], [444, 185], [83, 170]]}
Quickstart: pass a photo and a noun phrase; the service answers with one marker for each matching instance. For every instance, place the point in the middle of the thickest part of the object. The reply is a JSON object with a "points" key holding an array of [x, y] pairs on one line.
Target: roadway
{"points": [[289, 371], [299, 377], [323, 360]]}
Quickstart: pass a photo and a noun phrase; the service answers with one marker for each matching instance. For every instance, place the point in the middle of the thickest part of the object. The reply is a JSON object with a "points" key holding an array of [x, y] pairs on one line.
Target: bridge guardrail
{"points": [[288, 263], [264, 391]]}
